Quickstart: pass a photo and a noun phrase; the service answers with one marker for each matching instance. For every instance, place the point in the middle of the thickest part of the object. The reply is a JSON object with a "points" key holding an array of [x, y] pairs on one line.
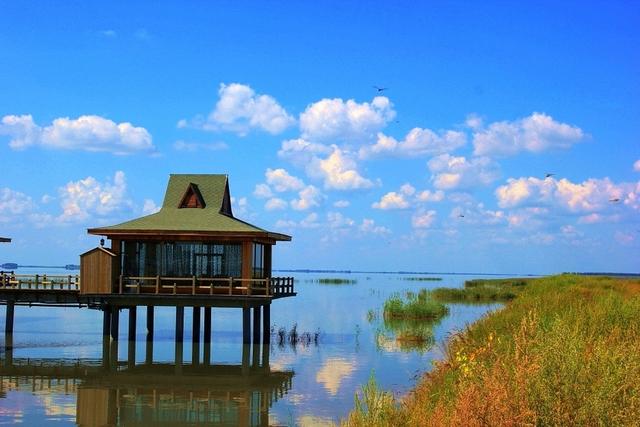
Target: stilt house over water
{"points": [[193, 245]]}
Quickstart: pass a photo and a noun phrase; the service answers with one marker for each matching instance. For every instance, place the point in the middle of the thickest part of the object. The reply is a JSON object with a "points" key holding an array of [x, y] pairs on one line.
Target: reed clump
{"points": [[414, 306], [423, 279], [482, 291], [564, 351]]}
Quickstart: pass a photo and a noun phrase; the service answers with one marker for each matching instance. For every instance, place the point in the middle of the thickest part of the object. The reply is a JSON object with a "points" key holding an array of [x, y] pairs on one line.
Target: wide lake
{"points": [[55, 371]]}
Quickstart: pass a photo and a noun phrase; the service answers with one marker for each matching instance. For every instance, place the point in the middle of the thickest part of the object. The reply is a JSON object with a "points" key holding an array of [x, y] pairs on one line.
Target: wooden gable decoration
{"points": [[225, 209], [192, 198]]}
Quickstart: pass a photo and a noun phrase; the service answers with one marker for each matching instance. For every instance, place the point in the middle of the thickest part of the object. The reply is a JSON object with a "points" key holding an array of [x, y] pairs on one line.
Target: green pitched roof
{"points": [[215, 217]]}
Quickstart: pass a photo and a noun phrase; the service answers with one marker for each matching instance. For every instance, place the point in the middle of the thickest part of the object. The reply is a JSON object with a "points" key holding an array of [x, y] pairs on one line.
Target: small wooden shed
{"points": [[99, 270]]}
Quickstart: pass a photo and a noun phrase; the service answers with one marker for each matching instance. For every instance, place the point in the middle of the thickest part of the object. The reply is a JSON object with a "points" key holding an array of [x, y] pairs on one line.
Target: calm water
{"points": [[57, 375]]}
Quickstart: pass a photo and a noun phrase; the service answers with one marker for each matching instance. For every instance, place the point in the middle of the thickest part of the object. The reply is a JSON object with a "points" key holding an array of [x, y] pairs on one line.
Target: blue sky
{"points": [[442, 171]]}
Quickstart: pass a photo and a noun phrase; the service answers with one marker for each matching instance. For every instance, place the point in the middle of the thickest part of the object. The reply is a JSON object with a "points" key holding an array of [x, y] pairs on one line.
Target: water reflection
{"points": [[145, 394], [406, 335], [333, 371]]}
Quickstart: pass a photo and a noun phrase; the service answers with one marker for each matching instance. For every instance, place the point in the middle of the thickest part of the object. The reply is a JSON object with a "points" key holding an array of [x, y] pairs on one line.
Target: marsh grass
{"points": [[414, 306], [565, 351], [500, 290], [422, 279], [411, 334]]}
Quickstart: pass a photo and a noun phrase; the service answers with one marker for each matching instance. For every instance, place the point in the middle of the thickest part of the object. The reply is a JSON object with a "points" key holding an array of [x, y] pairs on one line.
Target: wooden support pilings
{"points": [[195, 337], [133, 318], [246, 325], [10, 313], [179, 335], [149, 341], [115, 323], [106, 321], [207, 336], [266, 324], [256, 324]]}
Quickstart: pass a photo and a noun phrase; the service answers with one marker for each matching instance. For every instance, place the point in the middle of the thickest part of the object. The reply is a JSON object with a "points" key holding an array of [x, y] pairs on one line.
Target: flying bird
{"points": [[549, 175], [380, 89], [615, 200], [461, 216]]}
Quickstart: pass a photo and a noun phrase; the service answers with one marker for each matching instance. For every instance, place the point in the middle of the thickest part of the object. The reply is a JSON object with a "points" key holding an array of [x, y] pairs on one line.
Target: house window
{"points": [[258, 261]]}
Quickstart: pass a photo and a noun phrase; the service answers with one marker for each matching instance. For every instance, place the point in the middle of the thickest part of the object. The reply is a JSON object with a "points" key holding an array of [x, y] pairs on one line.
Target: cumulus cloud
{"points": [[274, 204], [341, 203], [368, 226], [86, 133], [300, 151], [336, 119], [423, 218], [451, 172], [86, 197], [13, 204], [418, 142], [240, 109], [636, 166], [430, 196], [262, 191], [590, 196], [308, 197], [535, 133], [149, 207], [338, 171], [280, 180]]}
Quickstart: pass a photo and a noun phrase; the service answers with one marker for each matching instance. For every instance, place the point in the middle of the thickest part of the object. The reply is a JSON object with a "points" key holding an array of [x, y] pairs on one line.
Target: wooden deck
{"points": [[42, 289]]}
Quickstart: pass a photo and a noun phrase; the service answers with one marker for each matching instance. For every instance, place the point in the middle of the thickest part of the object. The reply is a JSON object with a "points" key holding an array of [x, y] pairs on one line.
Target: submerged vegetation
{"points": [[415, 306], [564, 351], [422, 279], [293, 337], [499, 290]]}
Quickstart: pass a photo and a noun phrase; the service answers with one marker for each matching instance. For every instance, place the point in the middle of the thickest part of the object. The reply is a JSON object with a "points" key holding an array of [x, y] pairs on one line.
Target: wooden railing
{"points": [[39, 282], [270, 287]]}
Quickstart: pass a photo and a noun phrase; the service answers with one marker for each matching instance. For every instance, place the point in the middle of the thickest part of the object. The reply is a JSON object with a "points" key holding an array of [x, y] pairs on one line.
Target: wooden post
{"points": [[179, 323], [266, 324], [157, 285], [106, 321], [256, 324], [207, 336], [150, 311], [246, 326], [115, 323], [8, 325], [133, 318], [195, 337]]}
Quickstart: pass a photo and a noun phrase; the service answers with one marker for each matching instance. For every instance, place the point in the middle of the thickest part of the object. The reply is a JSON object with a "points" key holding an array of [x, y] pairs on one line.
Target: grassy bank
{"points": [[499, 290], [564, 351], [415, 306]]}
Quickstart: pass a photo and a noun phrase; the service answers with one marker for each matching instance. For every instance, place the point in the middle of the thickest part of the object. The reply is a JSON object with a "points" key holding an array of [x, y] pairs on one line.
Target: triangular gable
{"points": [[225, 209], [192, 198]]}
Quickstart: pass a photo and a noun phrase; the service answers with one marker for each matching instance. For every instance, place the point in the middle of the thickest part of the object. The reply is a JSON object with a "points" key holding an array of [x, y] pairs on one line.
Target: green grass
{"points": [[414, 306], [564, 351], [482, 291]]}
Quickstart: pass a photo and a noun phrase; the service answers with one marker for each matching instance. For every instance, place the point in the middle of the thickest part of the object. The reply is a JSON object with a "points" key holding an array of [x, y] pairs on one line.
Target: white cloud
{"points": [[86, 133], [341, 203], [458, 172], [636, 166], [86, 197], [274, 204], [338, 172], [14, 204], [280, 180], [309, 197], [418, 142], [591, 196], [535, 133], [239, 109], [262, 191], [300, 152], [423, 218], [149, 207], [338, 220], [336, 119], [240, 207], [368, 226], [392, 200], [624, 238], [430, 196], [193, 147]]}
